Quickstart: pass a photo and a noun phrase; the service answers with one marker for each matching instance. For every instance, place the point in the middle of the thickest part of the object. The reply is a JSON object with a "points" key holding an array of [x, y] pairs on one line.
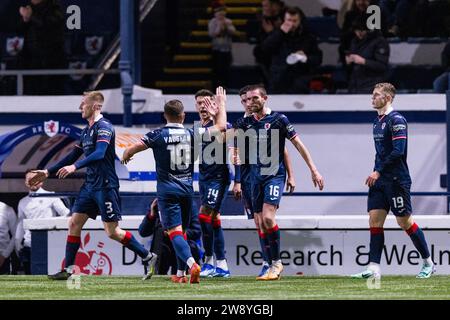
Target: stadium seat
{"points": [[323, 27]]}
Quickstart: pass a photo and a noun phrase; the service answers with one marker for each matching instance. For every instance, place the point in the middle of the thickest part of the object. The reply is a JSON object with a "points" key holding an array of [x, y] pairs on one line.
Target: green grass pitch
{"points": [[235, 288]]}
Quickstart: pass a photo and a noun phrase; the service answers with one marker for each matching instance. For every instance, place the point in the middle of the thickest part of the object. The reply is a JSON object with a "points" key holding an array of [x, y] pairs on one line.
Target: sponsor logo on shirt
{"points": [[102, 132], [290, 128], [179, 131], [398, 127]]}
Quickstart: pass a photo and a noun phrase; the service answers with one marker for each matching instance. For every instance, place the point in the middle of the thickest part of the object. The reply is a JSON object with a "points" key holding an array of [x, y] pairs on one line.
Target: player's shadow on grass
{"points": [[306, 253]]}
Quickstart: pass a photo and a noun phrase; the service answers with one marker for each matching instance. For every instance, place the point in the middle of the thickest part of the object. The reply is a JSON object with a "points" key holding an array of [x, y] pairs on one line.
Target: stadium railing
{"points": [[19, 74]]}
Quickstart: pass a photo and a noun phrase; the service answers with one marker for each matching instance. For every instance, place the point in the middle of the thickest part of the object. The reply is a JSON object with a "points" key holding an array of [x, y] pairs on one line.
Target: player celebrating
{"points": [[100, 192], [244, 188], [214, 182], [269, 130], [173, 149], [390, 183]]}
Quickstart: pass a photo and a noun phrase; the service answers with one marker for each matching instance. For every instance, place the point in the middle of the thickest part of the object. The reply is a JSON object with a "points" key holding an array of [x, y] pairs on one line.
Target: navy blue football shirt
{"points": [[173, 151], [101, 173], [390, 132]]}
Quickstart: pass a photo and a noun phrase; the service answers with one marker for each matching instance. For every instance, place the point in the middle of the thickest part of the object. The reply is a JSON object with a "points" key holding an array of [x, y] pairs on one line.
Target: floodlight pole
{"points": [[129, 56], [447, 115]]}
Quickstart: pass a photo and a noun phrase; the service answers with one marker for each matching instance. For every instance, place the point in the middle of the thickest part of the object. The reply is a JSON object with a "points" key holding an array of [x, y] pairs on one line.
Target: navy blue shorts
{"points": [[104, 201], [175, 210], [213, 193], [267, 191], [246, 188], [393, 195]]}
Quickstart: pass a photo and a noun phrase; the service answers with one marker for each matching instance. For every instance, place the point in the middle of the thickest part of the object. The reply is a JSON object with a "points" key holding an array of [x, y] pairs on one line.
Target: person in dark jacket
{"points": [[368, 58], [291, 40], [270, 18], [43, 28], [161, 244], [357, 11], [442, 83]]}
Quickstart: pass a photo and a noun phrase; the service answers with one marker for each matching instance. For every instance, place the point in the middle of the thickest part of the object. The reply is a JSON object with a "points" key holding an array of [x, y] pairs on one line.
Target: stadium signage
{"points": [[308, 252]]}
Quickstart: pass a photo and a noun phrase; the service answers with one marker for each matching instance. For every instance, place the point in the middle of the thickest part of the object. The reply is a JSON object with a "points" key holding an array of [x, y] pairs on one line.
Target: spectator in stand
{"points": [[404, 18], [221, 31], [346, 6], [43, 28], [439, 24], [368, 58], [34, 208], [270, 19], [357, 11], [8, 220], [442, 83], [294, 54]]}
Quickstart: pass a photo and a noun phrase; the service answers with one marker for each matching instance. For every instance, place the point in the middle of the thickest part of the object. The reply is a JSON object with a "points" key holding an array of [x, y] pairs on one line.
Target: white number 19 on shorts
{"points": [[398, 202]]}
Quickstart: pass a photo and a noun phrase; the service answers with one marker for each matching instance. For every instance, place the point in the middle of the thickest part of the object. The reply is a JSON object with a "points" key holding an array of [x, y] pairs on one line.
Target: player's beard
{"points": [[204, 115], [257, 107]]}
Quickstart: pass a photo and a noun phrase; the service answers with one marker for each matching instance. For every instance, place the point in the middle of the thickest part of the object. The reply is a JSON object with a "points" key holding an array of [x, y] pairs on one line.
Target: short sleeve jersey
{"points": [[266, 136], [212, 166], [173, 151]]}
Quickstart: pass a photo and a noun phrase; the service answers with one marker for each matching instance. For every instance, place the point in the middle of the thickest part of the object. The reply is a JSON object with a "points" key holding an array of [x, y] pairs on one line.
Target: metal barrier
{"points": [[19, 74], [293, 194], [136, 203]]}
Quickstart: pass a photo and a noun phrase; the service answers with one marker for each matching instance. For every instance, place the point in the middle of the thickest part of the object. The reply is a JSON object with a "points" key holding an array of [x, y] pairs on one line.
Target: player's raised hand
{"points": [[35, 177], [154, 208], [317, 179], [66, 171], [237, 191], [290, 184], [221, 97], [234, 156], [211, 106]]}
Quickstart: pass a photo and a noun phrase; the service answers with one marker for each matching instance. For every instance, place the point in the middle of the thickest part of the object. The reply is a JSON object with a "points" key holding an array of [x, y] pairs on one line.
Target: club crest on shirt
{"points": [[267, 126], [383, 125]]}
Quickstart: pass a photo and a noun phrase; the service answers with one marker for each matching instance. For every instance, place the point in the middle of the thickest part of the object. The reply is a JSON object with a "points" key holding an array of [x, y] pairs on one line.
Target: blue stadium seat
{"points": [[323, 27], [413, 77], [394, 40], [243, 75], [426, 40]]}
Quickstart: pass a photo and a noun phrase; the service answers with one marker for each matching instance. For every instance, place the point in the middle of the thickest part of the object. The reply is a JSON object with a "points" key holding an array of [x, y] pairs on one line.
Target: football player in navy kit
{"points": [[214, 181], [268, 131], [174, 149], [244, 189], [100, 192], [390, 183]]}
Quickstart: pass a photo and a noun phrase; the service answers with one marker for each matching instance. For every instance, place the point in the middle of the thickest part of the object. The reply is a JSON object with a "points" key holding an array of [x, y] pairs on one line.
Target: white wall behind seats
{"points": [[344, 154]]}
